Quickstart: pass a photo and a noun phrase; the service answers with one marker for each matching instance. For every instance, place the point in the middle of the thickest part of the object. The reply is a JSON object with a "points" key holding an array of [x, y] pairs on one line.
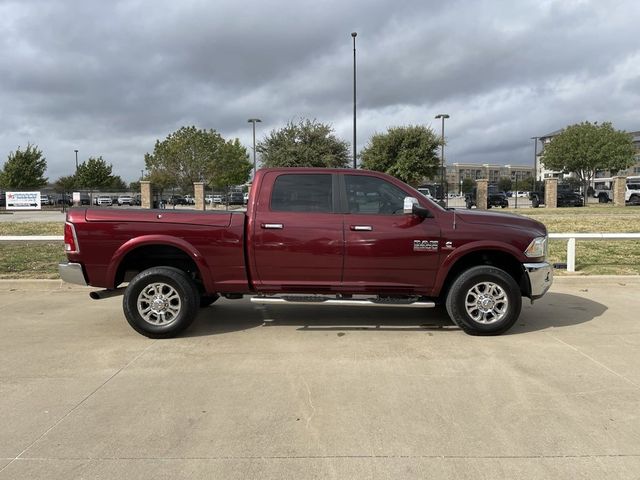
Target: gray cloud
{"points": [[109, 78]]}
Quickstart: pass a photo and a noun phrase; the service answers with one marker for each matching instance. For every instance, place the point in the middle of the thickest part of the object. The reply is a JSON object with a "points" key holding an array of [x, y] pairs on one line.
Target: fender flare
{"points": [[468, 248], [167, 240]]}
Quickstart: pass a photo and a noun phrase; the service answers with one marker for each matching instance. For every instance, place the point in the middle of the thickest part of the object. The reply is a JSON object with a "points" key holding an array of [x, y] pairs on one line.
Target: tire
{"points": [[206, 300], [160, 302], [484, 300], [634, 199], [603, 198], [535, 201]]}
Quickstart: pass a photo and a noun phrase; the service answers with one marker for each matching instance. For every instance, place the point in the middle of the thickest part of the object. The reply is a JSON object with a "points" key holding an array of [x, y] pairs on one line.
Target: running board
{"points": [[347, 302]]}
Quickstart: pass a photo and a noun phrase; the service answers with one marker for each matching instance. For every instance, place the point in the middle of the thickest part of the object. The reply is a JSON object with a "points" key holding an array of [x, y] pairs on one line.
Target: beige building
{"points": [[457, 172]]}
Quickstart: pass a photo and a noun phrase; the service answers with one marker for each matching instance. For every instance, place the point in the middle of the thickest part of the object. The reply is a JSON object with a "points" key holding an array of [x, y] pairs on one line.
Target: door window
{"points": [[372, 195], [302, 193]]}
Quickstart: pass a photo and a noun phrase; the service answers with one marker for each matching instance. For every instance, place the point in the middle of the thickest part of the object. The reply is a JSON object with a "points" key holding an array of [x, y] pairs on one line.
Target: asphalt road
{"points": [[301, 392]]}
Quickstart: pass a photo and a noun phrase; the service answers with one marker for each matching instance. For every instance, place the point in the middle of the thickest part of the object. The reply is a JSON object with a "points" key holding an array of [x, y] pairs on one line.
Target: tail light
{"points": [[70, 239]]}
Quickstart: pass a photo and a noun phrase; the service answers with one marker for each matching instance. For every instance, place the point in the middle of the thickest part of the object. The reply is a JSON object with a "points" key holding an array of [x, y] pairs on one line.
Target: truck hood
{"points": [[500, 219]]}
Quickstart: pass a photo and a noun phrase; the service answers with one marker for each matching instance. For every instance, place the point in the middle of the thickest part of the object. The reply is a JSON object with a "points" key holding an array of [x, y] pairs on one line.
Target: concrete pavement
{"points": [[303, 392]]}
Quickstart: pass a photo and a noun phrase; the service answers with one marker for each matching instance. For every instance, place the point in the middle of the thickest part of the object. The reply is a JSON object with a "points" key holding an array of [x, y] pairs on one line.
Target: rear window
{"points": [[302, 193]]}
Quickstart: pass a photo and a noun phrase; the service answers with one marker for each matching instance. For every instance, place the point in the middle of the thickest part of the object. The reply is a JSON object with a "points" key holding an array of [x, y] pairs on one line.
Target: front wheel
{"points": [[484, 300], [160, 302]]}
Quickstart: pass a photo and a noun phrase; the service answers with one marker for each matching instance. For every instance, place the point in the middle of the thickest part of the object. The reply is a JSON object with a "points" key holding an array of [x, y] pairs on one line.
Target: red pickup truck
{"points": [[311, 236]]}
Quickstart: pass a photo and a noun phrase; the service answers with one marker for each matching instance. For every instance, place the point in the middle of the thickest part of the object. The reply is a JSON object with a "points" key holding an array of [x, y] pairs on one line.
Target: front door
{"points": [[386, 249]]}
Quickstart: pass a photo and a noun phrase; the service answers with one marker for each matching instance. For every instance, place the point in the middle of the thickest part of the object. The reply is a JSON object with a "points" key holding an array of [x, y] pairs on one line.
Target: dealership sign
{"points": [[23, 201]]}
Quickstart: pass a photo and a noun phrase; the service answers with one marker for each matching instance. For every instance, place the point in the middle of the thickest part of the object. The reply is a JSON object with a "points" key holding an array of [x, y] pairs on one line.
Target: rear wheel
{"points": [[484, 300], [161, 302]]}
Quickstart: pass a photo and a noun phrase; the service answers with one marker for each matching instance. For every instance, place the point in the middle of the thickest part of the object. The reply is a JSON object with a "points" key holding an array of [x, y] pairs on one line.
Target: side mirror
{"points": [[412, 206], [409, 202]]}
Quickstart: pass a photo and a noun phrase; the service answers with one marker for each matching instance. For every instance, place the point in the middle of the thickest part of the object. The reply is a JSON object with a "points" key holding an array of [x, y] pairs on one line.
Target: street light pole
{"points": [[76, 159], [442, 116], [253, 121], [353, 35], [535, 162]]}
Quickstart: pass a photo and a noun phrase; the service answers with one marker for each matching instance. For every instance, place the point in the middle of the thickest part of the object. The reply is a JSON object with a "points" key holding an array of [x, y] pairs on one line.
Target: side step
{"points": [[333, 301]]}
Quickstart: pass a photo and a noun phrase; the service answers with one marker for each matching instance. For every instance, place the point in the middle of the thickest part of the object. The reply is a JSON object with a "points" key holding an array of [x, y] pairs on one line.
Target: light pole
{"points": [[253, 121], [535, 161], [442, 116], [354, 35], [76, 159]]}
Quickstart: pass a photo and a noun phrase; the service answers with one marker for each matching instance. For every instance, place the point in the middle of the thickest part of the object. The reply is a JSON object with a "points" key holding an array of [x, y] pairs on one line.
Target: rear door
{"points": [[298, 241], [386, 249]]}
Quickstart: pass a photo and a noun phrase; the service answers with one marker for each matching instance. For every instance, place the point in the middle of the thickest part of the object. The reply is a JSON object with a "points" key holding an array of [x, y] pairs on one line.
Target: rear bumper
{"points": [[540, 278], [72, 273]]}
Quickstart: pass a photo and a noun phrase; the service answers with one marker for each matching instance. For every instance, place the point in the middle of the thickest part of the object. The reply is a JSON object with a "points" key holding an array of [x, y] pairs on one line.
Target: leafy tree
{"points": [[185, 156], [409, 153], [134, 186], [24, 169], [117, 183], [504, 184], [468, 185], [587, 147], [65, 184], [304, 144], [231, 165], [95, 173]]}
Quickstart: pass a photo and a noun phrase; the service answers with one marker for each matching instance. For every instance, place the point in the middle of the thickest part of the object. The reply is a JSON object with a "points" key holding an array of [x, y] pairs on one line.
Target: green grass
{"points": [[593, 257]]}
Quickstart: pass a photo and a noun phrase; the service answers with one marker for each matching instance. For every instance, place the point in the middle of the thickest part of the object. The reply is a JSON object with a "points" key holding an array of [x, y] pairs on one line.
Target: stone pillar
{"points": [[482, 191], [145, 194], [619, 188], [198, 189], [551, 192]]}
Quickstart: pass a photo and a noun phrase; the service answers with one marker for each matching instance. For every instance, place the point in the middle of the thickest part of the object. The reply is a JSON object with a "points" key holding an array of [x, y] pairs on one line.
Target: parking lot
{"points": [[300, 392]]}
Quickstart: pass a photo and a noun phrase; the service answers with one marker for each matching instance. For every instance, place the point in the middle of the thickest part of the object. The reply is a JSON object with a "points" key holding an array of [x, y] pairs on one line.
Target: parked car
{"points": [[495, 198], [236, 198], [177, 200], [64, 199], [125, 200], [104, 201], [567, 197], [46, 200], [189, 200], [246, 198]]}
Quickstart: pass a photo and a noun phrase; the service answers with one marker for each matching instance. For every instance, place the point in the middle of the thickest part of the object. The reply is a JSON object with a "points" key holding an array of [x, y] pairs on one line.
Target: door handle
{"points": [[272, 226], [361, 228]]}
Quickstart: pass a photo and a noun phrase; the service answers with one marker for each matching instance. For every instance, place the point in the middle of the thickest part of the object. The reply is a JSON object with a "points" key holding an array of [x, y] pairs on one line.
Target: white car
{"points": [[125, 200], [104, 201]]}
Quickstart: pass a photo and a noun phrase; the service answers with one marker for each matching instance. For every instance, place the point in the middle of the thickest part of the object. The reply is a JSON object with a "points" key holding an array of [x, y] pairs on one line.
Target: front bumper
{"points": [[72, 273], [540, 278]]}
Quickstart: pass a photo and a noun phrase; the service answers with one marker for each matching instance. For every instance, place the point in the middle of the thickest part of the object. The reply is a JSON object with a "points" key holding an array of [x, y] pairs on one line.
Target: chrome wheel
{"points": [[486, 303], [159, 304]]}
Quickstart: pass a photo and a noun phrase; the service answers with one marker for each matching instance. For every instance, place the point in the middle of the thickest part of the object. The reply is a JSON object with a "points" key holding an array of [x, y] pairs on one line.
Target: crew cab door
{"points": [[297, 240], [386, 250]]}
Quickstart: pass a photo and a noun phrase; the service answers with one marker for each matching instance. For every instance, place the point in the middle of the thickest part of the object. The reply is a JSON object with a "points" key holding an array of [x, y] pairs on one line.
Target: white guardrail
{"points": [[570, 237]]}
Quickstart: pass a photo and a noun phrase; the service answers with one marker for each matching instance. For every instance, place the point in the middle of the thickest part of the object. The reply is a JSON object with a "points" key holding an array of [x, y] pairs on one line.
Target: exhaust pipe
{"points": [[101, 294]]}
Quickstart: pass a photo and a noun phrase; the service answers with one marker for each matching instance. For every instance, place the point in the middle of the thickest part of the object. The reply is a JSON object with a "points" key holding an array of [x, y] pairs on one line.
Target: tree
{"points": [[184, 157], [468, 185], [65, 184], [95, 173], [409, 153], [587, 147], [24, 169], [231, 165], [304, 144], [504, 184]]}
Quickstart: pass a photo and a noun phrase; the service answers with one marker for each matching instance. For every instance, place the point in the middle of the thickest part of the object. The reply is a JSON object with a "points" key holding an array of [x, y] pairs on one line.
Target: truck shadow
{"points": [[225, 316]]}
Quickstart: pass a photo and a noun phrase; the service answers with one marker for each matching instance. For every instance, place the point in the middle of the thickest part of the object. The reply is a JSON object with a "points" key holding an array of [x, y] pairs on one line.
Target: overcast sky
{"points": [[110, 77]]}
